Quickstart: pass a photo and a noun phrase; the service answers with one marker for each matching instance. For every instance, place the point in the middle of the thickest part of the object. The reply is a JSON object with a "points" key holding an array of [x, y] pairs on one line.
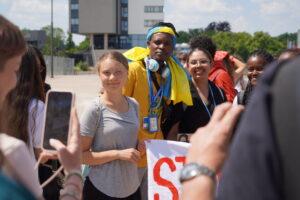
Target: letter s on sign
{"points": [[163, 182]]}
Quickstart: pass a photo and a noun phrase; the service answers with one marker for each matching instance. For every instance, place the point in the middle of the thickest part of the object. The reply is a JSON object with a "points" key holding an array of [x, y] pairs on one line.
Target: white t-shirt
{"points": [[35, 124]]}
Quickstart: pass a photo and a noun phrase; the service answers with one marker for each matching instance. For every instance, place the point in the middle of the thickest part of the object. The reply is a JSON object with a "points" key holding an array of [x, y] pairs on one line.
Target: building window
{"points": [[154, 9], [99, 41], [124, 26], [74, 1], [124, 12], [74, 28], [113, 42], [74, 6], [75, 21], [138, 40], [124, 1], [124, 42], [151, 22], [74, 13]]}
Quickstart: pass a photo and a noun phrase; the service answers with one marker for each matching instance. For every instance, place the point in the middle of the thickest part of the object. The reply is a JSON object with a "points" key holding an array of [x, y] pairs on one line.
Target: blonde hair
{"points": [[114, 55]]}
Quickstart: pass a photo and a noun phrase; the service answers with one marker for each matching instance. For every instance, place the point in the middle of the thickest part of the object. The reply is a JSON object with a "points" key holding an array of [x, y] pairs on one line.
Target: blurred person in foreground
{"points": [[13, 152]]}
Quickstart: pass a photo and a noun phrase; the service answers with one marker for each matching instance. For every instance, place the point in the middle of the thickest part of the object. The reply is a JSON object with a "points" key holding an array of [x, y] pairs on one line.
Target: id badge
{"points": [[153, 123], [146, 123]]}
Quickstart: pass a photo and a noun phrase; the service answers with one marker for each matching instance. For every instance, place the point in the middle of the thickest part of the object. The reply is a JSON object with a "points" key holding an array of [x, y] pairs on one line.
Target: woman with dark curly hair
{"points": [[205, 94]]}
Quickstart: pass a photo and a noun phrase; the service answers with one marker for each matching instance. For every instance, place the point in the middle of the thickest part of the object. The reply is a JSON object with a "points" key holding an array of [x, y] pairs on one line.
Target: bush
{"points": [[82, 66]]}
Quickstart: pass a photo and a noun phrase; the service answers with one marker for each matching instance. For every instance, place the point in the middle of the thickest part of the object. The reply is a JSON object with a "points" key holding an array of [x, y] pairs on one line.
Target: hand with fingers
{"points": [[46, 155], [70, 155], [141, 147], [131, 155]]}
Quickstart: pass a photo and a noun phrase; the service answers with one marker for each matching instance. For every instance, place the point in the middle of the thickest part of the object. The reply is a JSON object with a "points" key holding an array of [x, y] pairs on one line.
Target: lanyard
{"points": [[155, 100], [212, 94]]}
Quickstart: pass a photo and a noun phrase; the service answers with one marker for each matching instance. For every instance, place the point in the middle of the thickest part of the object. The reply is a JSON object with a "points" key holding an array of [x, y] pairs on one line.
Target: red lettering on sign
{"points": [[180, 159], [163, 182]]}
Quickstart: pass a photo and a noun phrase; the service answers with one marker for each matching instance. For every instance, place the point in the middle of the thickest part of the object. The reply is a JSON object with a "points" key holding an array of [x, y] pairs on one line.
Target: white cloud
{"points": [[278, 16], [4, 1], [35, 14], [203, 6], [239, 24], [197, 13], [278, 7]]}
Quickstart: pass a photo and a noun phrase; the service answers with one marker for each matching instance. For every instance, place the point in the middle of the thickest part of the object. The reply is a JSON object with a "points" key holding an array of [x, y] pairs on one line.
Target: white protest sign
{"points": [[165, 160]]}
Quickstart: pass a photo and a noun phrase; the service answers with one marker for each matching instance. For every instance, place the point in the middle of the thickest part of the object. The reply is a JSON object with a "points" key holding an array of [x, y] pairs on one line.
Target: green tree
{"points": [[183, 37], [261, 40], [58, 41], [69, 42], [84, 45], [285, 37], [195, 32]]}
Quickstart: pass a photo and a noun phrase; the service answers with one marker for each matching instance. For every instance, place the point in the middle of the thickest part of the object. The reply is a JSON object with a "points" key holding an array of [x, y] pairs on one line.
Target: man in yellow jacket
{"points": [[155, 79]]}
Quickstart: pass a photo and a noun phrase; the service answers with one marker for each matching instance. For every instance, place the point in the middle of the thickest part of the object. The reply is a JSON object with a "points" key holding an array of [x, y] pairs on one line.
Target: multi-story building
{"points": [[114, 24]]}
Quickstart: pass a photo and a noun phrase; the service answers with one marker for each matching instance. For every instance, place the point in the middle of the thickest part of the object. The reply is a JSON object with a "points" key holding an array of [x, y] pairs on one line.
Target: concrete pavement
{"points": [[85, 87]]}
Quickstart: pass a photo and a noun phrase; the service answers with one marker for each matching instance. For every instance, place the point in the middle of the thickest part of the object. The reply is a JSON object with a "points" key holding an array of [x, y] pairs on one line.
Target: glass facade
{"points": [[124, 16], [154, 9], [151, 22], [99, 41], [138, 40], [74, 16]]}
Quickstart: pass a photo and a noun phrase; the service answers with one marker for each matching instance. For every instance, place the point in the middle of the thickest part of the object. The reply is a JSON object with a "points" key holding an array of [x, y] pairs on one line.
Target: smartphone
{"points": [[57, 117]]}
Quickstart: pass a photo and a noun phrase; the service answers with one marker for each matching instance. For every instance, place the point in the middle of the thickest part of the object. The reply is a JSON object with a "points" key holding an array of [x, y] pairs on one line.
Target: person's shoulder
{"points": [[36, 103], [132, 101], [94, 104], [223, 76], [136, 65]]}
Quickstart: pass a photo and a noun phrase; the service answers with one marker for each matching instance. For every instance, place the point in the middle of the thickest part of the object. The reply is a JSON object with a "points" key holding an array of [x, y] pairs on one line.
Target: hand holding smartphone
{"points": [[57, 117]]}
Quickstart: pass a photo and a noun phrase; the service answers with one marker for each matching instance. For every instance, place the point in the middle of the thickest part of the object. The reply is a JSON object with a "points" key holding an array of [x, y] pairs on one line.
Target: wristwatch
{"points": [[192, 170]]}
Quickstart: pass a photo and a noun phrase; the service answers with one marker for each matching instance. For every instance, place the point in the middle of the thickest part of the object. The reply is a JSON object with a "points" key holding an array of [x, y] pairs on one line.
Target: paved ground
{"points": [[85, 87]]}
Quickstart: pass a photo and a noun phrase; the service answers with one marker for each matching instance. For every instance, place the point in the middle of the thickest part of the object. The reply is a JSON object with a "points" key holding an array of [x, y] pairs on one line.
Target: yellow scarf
{"points": [[180, 89]]}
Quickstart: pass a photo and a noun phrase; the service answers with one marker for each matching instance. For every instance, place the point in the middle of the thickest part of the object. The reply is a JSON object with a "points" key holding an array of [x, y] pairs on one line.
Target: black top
{"points": [[195, 116]]}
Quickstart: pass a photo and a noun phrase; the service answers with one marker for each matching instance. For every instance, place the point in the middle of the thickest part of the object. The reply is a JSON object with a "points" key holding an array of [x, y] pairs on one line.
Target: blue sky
{"points": [[272, 16]]}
